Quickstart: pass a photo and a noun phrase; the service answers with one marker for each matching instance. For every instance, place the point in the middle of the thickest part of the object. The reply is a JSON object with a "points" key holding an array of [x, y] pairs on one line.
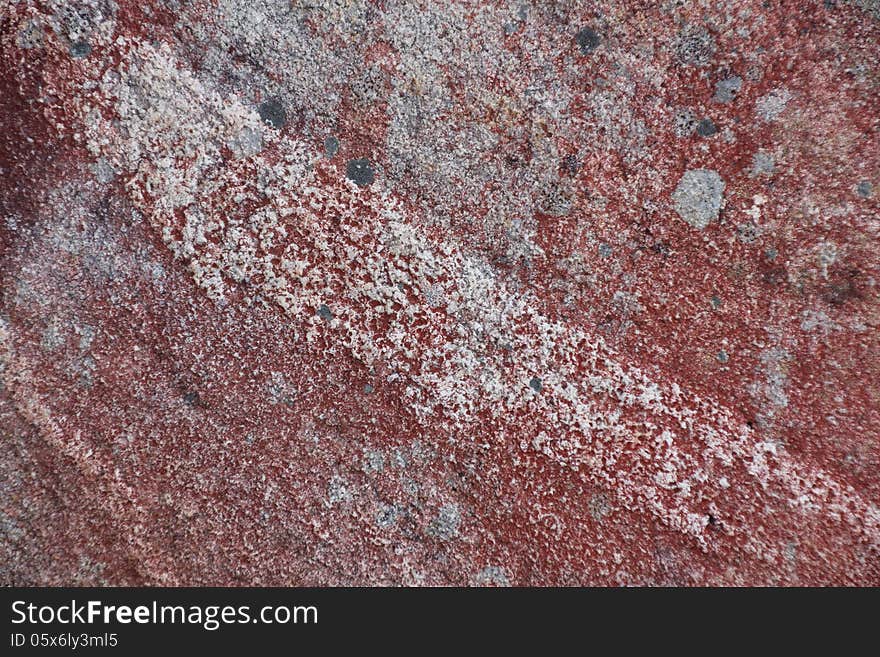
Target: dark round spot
{"points": [[272, 113], [535, 384], [706, 128], [80, 49], [360, 172], [191, 398], [570, 164], [325, 312], [588, 40], [865, 188]]}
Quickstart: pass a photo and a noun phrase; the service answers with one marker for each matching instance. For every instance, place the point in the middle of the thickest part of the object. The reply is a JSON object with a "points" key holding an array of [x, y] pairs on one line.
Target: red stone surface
{"points": [[529, 348]]}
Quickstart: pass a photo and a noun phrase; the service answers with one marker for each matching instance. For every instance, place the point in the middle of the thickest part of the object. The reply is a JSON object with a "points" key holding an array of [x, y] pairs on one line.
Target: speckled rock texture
{"points": [[383, 292]]}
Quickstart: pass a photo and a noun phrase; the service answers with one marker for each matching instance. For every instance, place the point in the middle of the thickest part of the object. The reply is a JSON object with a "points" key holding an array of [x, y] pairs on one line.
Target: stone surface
{"points": [[439, 293], [699, 194]]}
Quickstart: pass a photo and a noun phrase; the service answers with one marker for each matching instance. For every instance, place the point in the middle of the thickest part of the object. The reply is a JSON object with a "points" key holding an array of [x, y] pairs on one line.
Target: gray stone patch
{"points": [[492, 576], [420, 453], [77, 20], [246, 143], [331, 147], [685, 122], [728, 89], [280, 390], [771, 105], [588, 40], [772, 392], [272, 113], [388, 516], [694, 46], [53, 335], [747, 233], [360, 172], [370, 86], [86, 335], [435, 296], [763, 164], [535, 384], [445, 526], [324, 312], [80, 49], [872, 7], [813, 319], [570, 164], [706, 128], [698, 197], [605, 250], [599, 506], [557, 200], [827, 252], [85, 368], [104, 171], [374, 461], [399, 458], [722, 356], [338, 491], [865, 189], [11, 529], [30, 36]]}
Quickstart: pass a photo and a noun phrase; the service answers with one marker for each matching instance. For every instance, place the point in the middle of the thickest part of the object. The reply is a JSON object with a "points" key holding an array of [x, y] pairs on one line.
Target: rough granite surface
{"points": [[485, 292]]}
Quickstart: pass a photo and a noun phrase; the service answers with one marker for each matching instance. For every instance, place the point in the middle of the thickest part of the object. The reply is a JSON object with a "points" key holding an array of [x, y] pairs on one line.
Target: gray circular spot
{"points": [[272, 113], [706, 128], [360, 172], [80, 49], [726, 90], [588, 40], [698, 197]]}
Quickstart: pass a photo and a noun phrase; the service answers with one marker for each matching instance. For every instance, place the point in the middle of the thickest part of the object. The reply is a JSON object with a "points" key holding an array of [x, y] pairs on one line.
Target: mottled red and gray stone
{"points": [[392, 292]]}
